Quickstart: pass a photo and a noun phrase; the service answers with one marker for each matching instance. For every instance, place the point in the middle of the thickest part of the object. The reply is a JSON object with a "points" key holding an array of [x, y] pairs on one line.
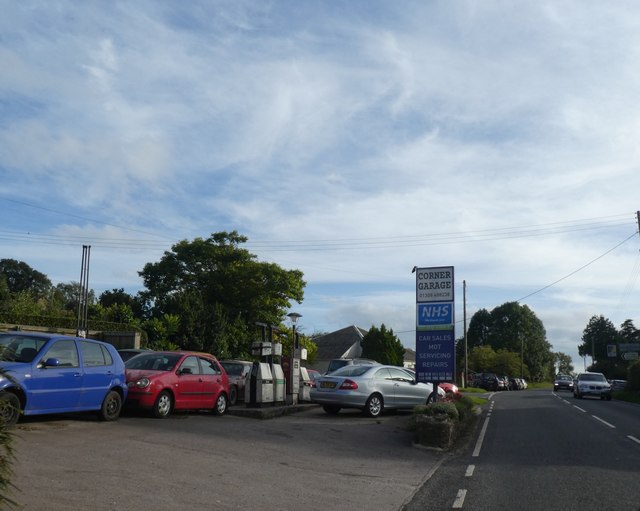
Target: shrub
{"points": [[440, 410], [633, 376]]}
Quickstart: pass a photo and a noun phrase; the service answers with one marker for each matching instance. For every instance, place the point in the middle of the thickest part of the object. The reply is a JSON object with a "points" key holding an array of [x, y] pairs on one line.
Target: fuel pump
{"points": [[259, 391]]}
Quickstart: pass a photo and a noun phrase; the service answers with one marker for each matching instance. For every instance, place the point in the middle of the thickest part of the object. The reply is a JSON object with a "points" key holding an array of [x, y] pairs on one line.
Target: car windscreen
{"points": [[20, 348], [232, 369], [592, 377], [153, 361]]}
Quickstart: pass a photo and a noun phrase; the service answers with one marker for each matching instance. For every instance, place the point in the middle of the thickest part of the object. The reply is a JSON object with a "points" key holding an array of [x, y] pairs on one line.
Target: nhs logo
{"points": [[435, 314]]}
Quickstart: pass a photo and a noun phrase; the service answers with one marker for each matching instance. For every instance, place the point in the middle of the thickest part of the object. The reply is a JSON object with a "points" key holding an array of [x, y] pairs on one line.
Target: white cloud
{"points": [[350, 127]]}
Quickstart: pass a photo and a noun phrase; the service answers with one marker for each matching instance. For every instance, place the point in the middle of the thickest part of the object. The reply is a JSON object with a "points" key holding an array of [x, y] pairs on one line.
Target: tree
{"points": [[597, 335], [19, 277], [563, 363], [383, 346], [628, 332], [514, 328], [219, 290]]}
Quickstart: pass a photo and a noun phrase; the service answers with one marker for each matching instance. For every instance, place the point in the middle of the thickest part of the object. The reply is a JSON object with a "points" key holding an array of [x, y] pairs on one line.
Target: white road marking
{"points": [[634, 439], [476, 451], [470, 470], [603, 421], [578, 408], [458, 503]]}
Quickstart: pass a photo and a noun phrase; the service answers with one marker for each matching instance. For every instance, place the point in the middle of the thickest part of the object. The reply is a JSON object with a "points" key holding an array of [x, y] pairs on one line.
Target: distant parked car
{"points": [[237, 371], [515, 383], [488, 381], [337, 363], [563, 382], [370, 388], [53, 373], [164, 381], [313, 374], [592, 384], [618, 384], [127, 353]]}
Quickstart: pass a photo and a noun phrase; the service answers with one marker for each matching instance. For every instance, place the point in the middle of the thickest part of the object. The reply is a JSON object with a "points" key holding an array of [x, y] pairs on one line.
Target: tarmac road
{"points": [[308, 460]]}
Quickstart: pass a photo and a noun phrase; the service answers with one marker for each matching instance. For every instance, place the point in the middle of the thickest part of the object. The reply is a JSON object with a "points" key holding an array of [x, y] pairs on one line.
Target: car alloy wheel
{"points": [[374, 405], [221, 405], [163, 405]]}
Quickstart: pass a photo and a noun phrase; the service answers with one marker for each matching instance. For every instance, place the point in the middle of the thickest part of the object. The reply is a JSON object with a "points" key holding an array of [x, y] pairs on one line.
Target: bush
{"points": [[633, 376], [441, 424]]}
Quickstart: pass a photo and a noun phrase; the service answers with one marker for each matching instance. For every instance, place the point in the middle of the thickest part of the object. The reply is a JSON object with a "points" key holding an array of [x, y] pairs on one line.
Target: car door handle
{"points": [[77, 375]]}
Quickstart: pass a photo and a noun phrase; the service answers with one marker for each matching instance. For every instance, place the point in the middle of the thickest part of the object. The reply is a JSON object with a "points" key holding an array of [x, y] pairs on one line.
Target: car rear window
{"points": [[351, 371]]}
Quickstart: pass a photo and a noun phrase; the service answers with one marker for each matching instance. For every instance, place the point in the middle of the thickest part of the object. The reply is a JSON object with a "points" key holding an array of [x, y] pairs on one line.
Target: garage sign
{"points": [[435, 324]]}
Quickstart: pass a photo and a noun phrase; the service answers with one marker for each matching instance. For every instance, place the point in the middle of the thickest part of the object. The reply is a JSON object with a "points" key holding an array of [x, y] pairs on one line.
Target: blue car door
{"points": [[55, 388], [98, 374]]}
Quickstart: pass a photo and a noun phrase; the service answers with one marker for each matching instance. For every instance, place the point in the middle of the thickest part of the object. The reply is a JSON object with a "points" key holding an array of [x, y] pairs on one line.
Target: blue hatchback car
{"points": [[52, 373]]}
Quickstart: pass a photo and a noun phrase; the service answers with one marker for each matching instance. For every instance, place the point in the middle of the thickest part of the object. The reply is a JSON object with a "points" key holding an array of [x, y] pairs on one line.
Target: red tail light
{"points": [[348, 385]]}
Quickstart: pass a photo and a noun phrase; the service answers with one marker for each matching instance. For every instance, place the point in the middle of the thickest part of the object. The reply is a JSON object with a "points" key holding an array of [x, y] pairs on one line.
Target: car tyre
{"points": [[221, 405], [163, 405], [233, 395], [111, 406], [9, 408], [331, 409], [374, 406]]}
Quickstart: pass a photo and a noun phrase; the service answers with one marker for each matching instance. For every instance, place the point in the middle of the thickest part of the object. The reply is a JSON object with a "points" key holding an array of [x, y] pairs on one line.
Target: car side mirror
{"points": [[51, 362]]}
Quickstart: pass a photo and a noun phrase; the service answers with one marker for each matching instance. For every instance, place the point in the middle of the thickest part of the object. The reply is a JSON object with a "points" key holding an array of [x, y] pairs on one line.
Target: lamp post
{"points": [[292, 395]]}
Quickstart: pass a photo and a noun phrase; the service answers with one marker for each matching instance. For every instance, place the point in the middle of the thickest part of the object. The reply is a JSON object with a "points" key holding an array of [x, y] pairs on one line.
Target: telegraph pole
{"points": [[464, 308]]}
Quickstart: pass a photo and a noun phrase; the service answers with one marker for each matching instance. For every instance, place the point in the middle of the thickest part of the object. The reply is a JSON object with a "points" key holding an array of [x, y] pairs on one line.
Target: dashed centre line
{"points": [[459, 502], [470, 470], [603, 421]]}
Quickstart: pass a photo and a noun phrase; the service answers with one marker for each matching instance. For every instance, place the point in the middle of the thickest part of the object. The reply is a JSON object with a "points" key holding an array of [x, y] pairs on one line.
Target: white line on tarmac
{"points": [[458, 503], [603, 421], [578, 408], [470, 470], [476, 451], [634, 439]]}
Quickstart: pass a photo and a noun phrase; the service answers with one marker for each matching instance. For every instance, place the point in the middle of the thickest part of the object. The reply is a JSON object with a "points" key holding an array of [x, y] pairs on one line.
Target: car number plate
{"points": [[327, 385]]}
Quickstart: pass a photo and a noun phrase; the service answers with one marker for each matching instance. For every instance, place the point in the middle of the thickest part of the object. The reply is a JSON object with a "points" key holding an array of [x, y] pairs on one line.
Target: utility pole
{"points": [[638, 216], [464, 313]]}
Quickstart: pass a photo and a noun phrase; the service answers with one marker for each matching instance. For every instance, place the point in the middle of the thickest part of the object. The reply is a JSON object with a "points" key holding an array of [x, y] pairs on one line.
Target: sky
{"points": [[350, 140]]}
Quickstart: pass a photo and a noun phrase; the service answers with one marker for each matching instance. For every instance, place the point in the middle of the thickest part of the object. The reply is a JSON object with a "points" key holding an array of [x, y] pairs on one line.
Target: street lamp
{"points": [[293, 364]]}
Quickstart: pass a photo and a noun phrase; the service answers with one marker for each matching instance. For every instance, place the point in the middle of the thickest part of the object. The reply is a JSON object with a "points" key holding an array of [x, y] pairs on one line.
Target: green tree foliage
{"points": [[633, 376], [628, 332], [514, 328], [20, 277], [563, 363], [383, 346], [596, 337], [220, 291]]}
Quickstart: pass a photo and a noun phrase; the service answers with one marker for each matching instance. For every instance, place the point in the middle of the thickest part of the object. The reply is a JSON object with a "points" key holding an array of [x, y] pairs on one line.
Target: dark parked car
{"points": [[563, 382], [53, 373], [163, 381], [487, 381], [237, 371], [127, 353]]}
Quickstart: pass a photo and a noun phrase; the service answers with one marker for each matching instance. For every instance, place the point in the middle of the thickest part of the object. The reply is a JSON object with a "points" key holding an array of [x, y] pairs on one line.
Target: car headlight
{"points": [[142, 383]]}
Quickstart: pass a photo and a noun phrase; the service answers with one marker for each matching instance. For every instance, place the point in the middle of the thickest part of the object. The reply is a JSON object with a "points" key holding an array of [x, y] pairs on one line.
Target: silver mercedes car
{"points": [[370, 388]]}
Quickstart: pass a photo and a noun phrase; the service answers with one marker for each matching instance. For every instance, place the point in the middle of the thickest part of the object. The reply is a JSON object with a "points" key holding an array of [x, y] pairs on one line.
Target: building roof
{"points": [[336, 344]]}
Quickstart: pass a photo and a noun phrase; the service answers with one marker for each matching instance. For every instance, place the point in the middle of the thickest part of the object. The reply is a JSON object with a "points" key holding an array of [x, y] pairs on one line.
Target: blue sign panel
{"points": [[434, 316], [435, 355]]}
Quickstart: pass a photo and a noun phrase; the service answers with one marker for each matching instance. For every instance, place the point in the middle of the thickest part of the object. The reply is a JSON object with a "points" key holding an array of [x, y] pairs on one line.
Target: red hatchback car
{"points": [[164, 381]]}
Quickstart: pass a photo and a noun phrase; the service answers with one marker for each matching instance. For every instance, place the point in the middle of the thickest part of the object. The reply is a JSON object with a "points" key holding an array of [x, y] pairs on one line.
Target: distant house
{"points": [[409, 358], [347, 343], [343, 343]]}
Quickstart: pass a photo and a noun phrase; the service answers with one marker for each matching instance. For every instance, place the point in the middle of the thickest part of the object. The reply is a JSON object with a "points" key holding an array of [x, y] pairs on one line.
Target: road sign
{"points": [[630, 355], [634, 346]]}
